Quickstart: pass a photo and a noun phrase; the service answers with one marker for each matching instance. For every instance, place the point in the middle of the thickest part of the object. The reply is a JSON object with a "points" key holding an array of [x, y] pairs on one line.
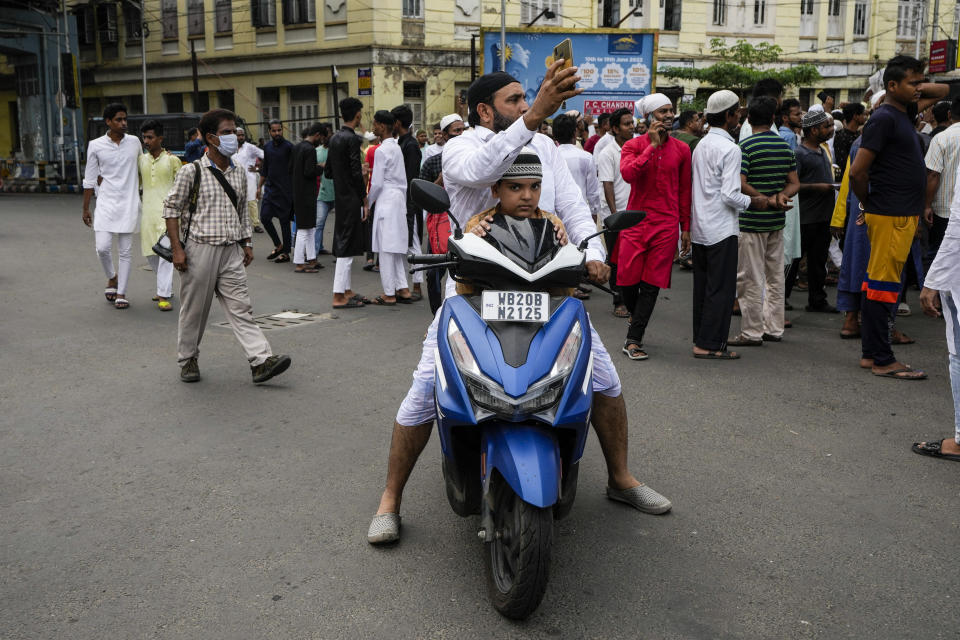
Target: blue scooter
{"points": [[513, 390]]}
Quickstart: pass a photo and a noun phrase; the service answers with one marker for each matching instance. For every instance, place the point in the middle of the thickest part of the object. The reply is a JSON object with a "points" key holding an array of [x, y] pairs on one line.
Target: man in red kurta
{"points": [[658, 169]]}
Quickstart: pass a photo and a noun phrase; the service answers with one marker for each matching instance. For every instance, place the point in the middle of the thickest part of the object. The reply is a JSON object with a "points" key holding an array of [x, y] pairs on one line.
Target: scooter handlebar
{"points": [[429, 258]]}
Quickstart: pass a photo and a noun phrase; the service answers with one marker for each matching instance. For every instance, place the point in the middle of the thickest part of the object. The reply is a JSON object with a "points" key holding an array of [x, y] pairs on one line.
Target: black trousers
{"points": [[640, 299], [937, 230], [876, 329], [714, 290], [790, 278], [815, 244], [270, 213], [434, 278]]}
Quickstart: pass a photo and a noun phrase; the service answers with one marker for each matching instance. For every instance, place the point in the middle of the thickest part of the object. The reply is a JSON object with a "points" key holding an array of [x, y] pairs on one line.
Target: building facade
{"points": [[269, 59], [39, 96]]}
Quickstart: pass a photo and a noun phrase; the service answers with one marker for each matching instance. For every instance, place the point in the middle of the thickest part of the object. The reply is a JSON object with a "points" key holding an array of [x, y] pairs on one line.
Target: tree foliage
{"points": [[741, 65]]}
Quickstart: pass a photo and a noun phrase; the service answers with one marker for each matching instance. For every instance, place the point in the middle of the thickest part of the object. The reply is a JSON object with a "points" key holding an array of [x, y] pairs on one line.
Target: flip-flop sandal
{"points": [[906, 369], [718, 355], [121, 303], [903, 339], [282, 258], [164, 305], [307, 270], [362, 298], [416, 297], [383, 303], [621, 312], [850, 336], [635, 351], [369, 266], [741, 341], [110, 293], [351, 304], [407, 300], [275, 254], [933, 449]]}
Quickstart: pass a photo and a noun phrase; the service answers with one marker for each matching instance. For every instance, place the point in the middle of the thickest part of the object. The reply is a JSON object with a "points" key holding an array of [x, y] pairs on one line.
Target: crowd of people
{"points": [[757, 201]]}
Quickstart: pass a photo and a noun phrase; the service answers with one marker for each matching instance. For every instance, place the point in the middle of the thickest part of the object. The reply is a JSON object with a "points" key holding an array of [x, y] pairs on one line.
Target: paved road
{"points": [[134, 506]]}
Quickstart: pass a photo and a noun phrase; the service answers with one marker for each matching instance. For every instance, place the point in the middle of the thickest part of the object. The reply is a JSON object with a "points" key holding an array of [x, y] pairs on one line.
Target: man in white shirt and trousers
{"points": [[388, 190], [715, 227], [112, 171], [502, 125], [941, 294], [248, 157]]}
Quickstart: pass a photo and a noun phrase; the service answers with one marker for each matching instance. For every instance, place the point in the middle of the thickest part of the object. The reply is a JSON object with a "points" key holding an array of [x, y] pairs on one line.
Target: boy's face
{"points": [[519, 197]]}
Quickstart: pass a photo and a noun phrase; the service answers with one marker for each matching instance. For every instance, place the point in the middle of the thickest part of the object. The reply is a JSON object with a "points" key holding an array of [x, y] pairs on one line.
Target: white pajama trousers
{"points": [[104, 240], [418, 406], [305, 247], [341, 275], [948, 304], [164, 271], [416, 250], [392, 272]]}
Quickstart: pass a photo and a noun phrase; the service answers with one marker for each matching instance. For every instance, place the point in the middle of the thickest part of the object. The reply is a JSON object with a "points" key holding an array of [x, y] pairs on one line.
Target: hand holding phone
{"points": [[564, 50]]}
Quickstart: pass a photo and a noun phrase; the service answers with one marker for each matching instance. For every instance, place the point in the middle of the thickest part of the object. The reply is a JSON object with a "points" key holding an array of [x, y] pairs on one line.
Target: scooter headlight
{"points": [[461, 351], [568, 353]]}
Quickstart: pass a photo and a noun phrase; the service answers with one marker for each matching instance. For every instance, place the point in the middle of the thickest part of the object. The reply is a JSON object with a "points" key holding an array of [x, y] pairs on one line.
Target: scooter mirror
{"points": [[429, 196], [623, 220]]}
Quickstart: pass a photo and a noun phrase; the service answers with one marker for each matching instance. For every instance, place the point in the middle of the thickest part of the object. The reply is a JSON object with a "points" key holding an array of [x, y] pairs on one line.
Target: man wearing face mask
{"points": [[657, 168], [212, 254], [502, 124]]}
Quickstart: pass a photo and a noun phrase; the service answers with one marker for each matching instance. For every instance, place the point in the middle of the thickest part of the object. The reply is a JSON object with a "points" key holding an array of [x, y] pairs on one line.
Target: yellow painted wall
{"points": [[231, 62], [6, 134]]}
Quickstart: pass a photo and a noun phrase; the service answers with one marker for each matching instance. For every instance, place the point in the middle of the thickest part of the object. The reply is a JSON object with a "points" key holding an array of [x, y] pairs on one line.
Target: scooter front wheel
{"points": [[519, 563]]}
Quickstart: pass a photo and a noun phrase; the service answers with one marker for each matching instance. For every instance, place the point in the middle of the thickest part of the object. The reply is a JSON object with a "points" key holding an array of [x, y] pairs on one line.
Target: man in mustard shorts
{"points": [[888, 176]]}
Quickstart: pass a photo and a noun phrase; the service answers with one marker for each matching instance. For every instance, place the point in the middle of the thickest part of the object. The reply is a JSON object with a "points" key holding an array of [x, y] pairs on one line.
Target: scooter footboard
{"points": [[528, 458]]}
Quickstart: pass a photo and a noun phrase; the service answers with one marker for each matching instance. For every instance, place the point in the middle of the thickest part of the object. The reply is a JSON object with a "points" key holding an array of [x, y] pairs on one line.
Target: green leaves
{"points": [[742, 65]]}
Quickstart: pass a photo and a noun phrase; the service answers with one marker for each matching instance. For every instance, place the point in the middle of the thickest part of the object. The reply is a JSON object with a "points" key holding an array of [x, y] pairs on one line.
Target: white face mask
{"points": [[228, 144]]}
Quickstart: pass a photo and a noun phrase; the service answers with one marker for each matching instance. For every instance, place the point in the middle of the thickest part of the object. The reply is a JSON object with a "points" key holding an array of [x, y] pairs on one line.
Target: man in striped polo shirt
{"points": [[768, 168]]}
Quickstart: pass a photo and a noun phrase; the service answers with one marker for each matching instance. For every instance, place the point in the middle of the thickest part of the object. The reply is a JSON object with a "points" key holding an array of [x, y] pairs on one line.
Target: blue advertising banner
{"points": [[616, 66]]}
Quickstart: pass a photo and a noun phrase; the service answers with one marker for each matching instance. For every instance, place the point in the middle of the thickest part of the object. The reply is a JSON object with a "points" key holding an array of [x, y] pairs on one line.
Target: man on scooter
{"points": [[502, 124]]}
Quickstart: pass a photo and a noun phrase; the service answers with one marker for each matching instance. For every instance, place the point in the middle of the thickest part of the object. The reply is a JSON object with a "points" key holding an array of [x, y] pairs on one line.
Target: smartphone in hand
{"points": [[564, 50]]}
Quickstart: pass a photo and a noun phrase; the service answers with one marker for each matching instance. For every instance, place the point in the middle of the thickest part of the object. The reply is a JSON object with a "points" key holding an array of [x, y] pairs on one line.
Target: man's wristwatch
{"points": [[248, 244]]}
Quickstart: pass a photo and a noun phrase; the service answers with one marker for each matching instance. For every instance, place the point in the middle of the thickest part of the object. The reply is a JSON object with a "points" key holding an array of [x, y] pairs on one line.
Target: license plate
{"points": [[515, 306]]}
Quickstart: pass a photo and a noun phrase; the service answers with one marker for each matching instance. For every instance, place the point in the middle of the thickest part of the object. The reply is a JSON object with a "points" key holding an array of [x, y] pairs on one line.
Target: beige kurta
{"points": [[156, 180]]}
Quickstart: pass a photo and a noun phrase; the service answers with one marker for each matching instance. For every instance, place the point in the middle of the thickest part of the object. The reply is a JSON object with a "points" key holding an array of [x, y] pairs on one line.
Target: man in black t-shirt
{"points": [[854, 117], [816, 206], [888, 176]]}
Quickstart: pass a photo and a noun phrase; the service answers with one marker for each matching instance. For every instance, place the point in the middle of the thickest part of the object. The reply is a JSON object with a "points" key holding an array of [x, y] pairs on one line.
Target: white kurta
{"points": [[247, 157], [118, 197], [388, 190]]}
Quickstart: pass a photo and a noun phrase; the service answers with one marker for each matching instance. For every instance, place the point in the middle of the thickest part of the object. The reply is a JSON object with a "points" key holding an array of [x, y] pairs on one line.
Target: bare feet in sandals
{"points": [[898, 371]]}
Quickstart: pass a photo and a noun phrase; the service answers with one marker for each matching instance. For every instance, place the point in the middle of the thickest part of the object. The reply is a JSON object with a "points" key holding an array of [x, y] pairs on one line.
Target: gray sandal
{"points": [[384, 528]]}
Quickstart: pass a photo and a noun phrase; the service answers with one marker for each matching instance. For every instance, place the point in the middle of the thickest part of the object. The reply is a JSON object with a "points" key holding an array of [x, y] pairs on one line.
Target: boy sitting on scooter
{"points": [[518, 192]]}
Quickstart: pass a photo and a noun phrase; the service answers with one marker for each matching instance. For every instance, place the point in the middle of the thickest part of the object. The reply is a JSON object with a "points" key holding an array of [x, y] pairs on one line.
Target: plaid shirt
{"points": [[217, 220]]}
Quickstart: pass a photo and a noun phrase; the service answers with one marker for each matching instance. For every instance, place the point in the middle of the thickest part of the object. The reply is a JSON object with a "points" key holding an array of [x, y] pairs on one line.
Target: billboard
{"points": [[938, 56], [617, 66]]}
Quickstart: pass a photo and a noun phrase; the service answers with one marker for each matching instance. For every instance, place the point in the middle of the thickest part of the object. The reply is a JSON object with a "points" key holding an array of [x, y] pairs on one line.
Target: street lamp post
{"points": [[629, 15], [143, 54], [550, 15], [503, 35]]}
